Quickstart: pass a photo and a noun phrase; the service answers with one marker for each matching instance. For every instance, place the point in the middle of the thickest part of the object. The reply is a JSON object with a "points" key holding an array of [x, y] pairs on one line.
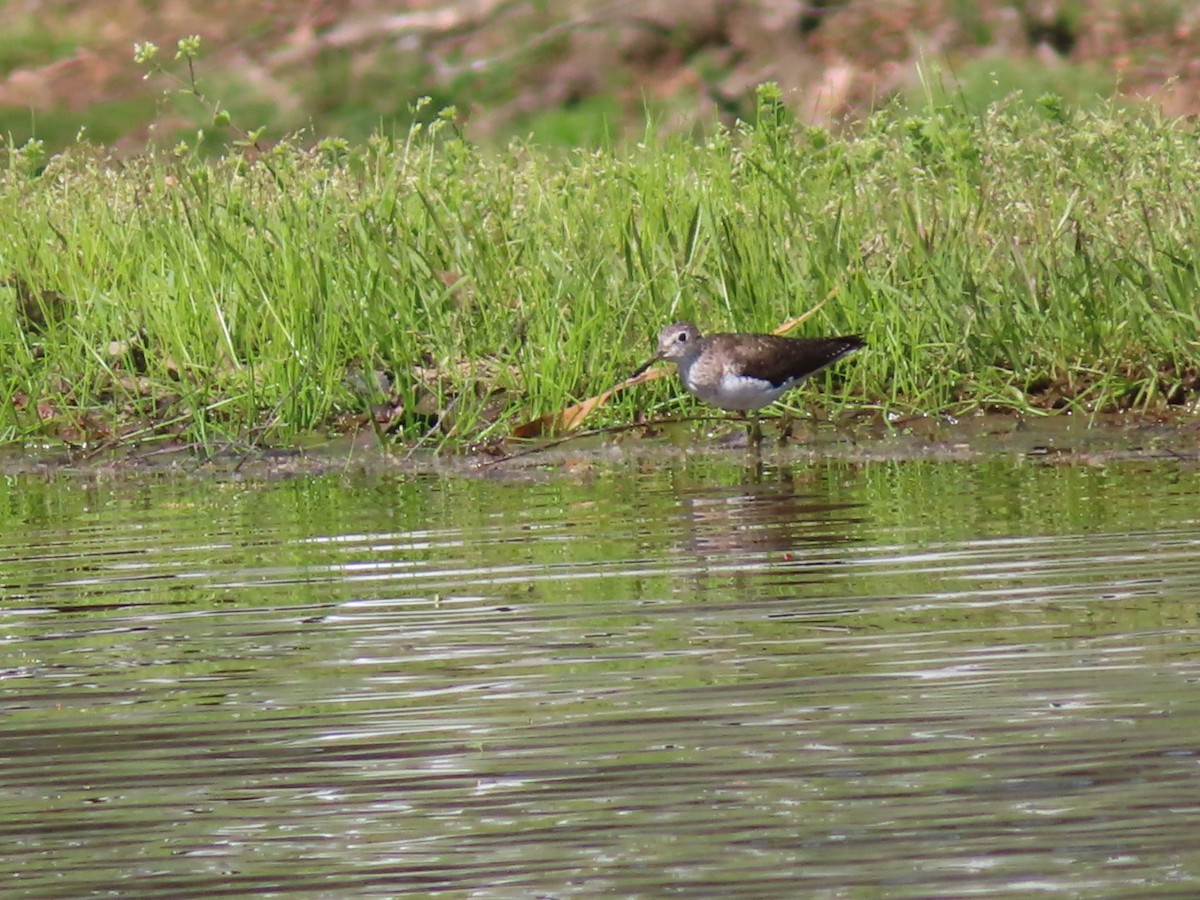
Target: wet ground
{"points": [[1053, 439]]}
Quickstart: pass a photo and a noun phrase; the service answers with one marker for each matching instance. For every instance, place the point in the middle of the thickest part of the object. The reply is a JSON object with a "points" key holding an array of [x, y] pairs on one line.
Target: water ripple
{"points": [[838, 681]]}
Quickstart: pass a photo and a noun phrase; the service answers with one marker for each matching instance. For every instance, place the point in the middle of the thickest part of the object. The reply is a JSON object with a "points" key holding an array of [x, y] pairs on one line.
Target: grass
{"points": [[1030, 257]]}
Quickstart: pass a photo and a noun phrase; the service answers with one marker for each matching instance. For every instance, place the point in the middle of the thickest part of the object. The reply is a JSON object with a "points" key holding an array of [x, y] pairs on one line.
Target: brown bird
{"points": [[744, 372]]}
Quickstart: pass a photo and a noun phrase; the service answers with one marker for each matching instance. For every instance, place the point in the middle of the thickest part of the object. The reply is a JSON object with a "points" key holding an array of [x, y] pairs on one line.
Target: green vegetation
{"points": [[1031, 257], [981, 83]]}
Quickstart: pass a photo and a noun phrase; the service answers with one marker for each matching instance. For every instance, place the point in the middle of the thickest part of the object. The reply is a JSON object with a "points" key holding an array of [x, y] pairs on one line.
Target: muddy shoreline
{"points": [[1048, 440]]}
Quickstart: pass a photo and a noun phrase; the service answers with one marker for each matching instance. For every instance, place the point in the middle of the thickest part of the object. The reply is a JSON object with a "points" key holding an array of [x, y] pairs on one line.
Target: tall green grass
{"points": [[1030, 257]]}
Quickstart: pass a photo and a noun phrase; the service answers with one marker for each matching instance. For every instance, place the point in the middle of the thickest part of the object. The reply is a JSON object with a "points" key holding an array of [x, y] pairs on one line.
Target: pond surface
{"points": [[681, 676]]}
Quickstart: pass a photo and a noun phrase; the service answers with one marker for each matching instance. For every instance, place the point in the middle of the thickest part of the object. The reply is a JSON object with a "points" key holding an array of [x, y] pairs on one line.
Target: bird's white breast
{"points": [[730, 390]]}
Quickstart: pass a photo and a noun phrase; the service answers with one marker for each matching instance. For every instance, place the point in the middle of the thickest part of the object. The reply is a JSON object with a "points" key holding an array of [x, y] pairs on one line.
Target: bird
{"points": [[745, 372]]}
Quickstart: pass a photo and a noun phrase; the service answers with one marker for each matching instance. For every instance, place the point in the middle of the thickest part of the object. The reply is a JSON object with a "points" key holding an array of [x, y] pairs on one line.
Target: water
{"points": [[678, 677]]}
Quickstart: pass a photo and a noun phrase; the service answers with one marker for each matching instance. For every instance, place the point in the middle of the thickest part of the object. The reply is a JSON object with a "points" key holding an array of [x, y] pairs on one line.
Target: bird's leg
{"points": [[754, 432], [786, 424]]}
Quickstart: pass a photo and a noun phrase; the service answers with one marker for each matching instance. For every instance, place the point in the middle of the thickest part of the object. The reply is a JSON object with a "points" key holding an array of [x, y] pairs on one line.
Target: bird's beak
{"points": [[643, 367], [646, 365]]}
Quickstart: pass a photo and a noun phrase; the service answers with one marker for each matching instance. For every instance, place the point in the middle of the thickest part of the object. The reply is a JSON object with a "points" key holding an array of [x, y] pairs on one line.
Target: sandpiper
{"points": [[745, 372]]}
